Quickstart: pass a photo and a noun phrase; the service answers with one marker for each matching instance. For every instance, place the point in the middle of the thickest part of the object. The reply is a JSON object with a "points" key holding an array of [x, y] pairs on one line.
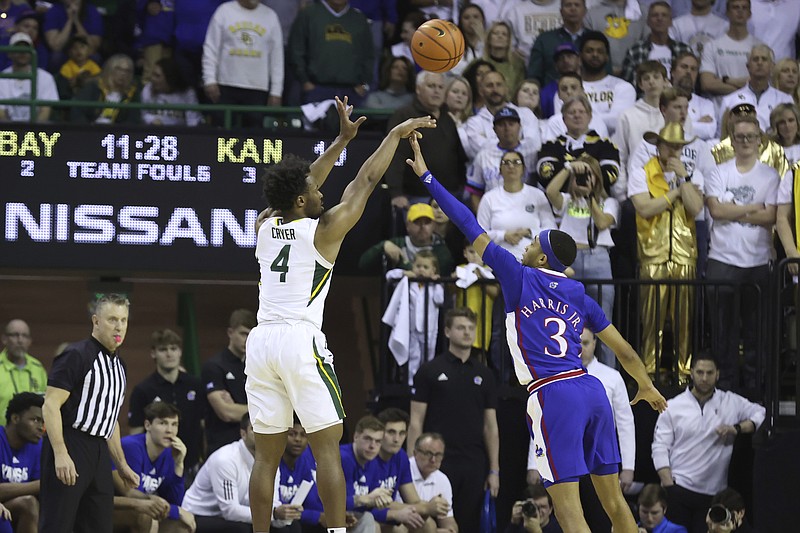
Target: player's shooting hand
{"points": [[408, 516], [65, 469], [129, 477], [288, 512], [409, 127], [418, 163], [347, 128], [651, 395]]}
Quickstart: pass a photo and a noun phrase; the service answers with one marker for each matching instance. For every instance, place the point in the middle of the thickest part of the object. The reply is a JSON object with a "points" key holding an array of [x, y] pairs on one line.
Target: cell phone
{"points": [[582, 179]]}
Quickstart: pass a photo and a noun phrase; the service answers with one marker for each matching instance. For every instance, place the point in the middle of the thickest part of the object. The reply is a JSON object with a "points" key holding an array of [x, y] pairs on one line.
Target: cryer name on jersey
{"points": [[285, 234]]}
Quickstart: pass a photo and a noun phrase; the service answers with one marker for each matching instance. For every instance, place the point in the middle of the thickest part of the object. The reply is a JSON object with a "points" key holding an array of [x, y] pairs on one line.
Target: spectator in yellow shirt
{"points": [[19, 371]]}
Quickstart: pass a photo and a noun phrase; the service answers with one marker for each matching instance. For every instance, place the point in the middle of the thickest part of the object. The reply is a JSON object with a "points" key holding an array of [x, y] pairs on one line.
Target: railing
{"points": [[777, 382], [228, 111]]}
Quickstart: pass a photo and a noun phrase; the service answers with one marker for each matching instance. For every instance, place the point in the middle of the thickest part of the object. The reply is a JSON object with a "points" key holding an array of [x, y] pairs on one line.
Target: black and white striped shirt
{"points": [[95, 379]]}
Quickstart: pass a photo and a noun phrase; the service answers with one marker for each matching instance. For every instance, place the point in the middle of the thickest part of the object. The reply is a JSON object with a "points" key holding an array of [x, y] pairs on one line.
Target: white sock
{"points": [[337, 530]]}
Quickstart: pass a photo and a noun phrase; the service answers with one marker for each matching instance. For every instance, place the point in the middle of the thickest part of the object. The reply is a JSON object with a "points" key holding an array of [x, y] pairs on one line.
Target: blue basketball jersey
{"points": [[390, 475], [19, 466], [545, 314], [155, 477], [304, 470]]}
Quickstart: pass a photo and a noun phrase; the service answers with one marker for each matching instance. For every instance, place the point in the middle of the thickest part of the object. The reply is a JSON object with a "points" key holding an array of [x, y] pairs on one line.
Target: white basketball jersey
{"points": [[295, 278]]}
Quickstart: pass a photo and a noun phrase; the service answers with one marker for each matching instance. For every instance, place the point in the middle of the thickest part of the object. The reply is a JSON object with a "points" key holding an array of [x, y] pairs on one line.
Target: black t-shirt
{"points": [[457, 395], [187, 394], [223, 372]]}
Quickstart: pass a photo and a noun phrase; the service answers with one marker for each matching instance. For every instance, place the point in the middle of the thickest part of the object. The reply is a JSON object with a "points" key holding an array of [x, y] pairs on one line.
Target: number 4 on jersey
{"points": [[281, 263]]}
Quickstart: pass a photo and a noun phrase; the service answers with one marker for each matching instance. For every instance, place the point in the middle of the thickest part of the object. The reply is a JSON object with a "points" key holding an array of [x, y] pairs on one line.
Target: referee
{"points": [[85, 391]]}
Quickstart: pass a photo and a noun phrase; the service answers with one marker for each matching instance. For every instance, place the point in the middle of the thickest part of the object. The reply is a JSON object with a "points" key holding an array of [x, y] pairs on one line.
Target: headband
{"points": [[547, 248]]}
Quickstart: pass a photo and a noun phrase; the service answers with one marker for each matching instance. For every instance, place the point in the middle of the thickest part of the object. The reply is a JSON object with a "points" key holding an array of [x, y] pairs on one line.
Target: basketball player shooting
{"points": [[570, 417], [289, 367]]}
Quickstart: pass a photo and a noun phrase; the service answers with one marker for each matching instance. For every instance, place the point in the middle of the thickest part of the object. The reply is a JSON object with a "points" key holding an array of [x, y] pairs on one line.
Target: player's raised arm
{"points": [[335, 223], [347, 132], [458, 213]]}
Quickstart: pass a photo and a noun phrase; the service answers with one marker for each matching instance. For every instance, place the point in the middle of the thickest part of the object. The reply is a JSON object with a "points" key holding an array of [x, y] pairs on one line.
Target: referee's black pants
{"points": [[87, 506]]}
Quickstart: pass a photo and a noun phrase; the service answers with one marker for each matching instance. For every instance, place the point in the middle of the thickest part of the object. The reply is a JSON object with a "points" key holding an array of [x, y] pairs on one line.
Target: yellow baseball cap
{"points": [[418, 211]]}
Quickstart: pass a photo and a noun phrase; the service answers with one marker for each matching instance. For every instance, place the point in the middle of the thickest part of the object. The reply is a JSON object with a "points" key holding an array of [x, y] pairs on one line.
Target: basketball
{"points": [[437, 45]]}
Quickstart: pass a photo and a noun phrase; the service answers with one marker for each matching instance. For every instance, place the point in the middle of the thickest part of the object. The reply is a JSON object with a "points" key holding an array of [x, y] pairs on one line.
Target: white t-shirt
{"points": [[575, 215], [21, 89], [436, 484], [528, 19], [725, 57], [478, 130], [662, 54], [484, 172], [609, 97], [169, 117], [737, 243], [786, 188], [696, 157], [697, 30], [700, 107], [764, 104], [776, 22], [555, 127], [501, 211], [792, 153]]}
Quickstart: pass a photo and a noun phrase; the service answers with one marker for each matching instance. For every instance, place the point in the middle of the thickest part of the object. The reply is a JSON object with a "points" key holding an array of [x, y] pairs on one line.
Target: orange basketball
{"points": [[437, 45]]}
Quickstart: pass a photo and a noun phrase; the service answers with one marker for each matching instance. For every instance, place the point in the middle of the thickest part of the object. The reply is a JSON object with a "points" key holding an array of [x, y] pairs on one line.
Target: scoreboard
{"points": [[127, 199]]}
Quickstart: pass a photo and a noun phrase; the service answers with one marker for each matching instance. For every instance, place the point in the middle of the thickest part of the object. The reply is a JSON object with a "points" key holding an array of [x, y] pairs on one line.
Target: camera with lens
{"points": [[582, 179], [719, 514], [529, 509]]}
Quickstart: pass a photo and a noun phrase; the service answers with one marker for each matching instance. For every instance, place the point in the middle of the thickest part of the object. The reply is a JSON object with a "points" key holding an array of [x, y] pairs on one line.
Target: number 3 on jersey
{"points": [[281, 263], [558, 336]]}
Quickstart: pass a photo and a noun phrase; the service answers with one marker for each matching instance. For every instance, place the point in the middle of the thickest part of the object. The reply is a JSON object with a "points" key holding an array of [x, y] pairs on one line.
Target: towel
{"points": [[315, 111], [396, 317], [466, 274]]}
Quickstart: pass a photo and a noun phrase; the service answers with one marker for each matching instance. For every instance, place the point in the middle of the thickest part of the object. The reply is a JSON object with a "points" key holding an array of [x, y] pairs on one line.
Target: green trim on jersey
{"points": [[321, 276], [329, 378]]}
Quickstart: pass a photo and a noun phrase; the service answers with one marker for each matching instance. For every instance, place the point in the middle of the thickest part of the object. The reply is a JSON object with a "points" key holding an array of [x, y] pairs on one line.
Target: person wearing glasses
{"points": [[485, 173], [19, 370], [770, 152], [742, 199], [431, 483]]}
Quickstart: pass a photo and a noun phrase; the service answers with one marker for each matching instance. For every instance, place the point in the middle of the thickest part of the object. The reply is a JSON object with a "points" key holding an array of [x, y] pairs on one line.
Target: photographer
{"points": [[534, 514], [587, 215], [727, 513]]}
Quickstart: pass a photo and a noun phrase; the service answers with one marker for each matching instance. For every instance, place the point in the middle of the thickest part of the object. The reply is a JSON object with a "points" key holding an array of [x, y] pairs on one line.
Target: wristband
{"points": [[496, 472]]}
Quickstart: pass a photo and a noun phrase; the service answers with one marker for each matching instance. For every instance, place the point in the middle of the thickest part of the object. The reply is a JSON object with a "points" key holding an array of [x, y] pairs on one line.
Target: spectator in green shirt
{"points": [[19, 371]]}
